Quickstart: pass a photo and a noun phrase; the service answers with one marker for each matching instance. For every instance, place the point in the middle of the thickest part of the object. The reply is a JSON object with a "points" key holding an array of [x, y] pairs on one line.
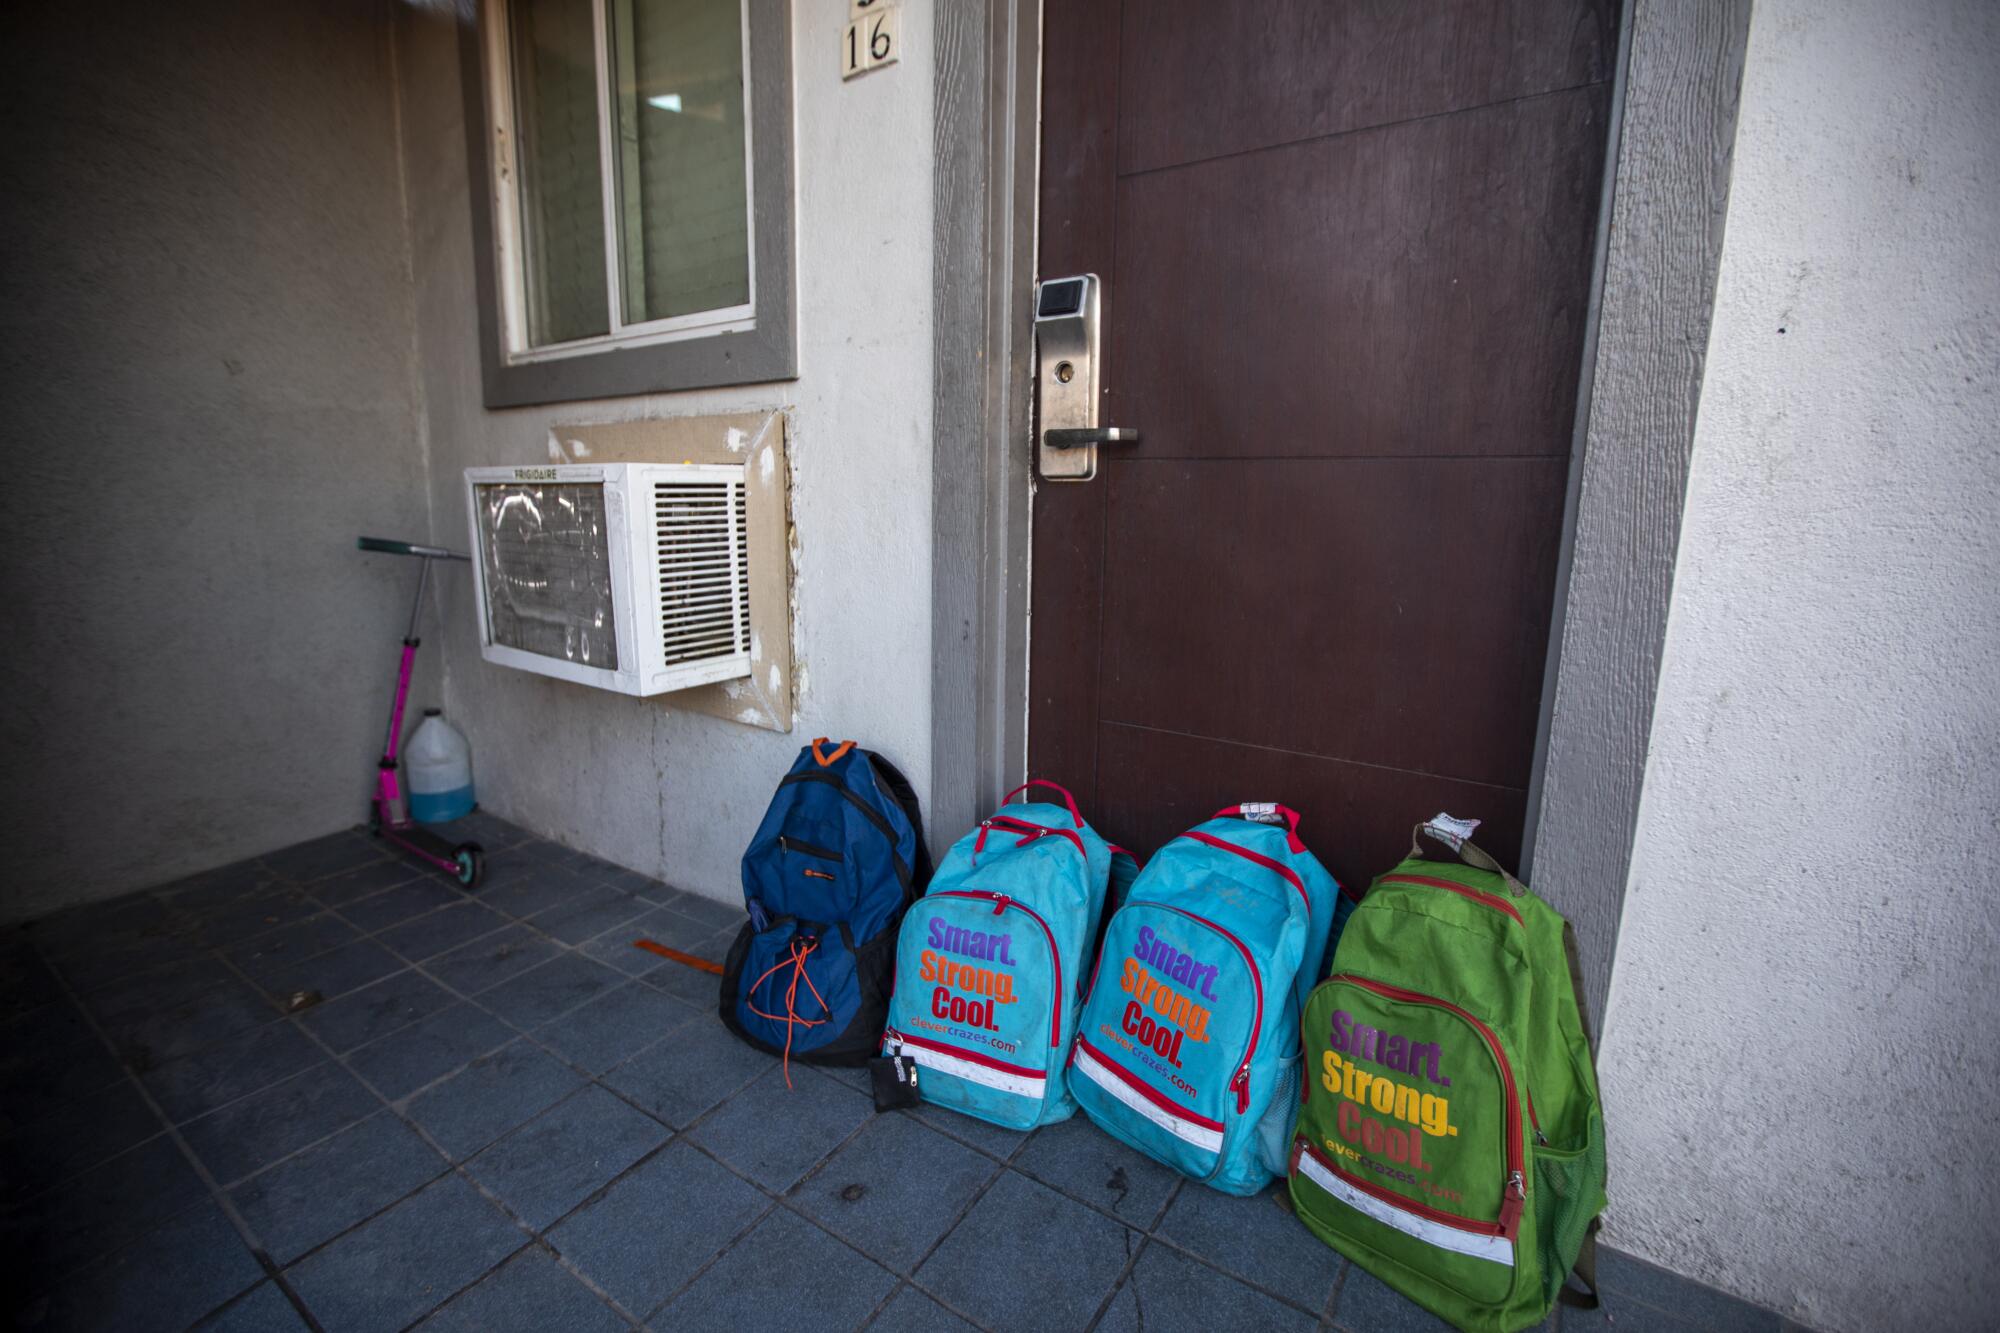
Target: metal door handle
{"points": [[1083, 437], [1067, 389]]}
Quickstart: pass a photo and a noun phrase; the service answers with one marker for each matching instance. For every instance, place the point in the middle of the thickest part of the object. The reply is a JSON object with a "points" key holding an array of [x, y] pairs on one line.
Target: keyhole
{"points": [[1065, 372]]}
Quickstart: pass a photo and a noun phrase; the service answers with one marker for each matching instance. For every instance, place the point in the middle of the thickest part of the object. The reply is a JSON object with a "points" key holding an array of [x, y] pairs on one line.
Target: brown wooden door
{"points": [[1347, 253]]}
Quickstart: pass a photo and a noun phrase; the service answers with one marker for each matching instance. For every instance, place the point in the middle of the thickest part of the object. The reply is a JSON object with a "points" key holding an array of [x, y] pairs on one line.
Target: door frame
{"points": [[1659, 244], [986, 105]]}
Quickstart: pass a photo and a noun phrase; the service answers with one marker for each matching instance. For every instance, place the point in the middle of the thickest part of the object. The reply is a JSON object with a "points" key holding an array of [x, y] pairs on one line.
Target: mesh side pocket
{"points": [[1274, 1129], [1570, 1198]]}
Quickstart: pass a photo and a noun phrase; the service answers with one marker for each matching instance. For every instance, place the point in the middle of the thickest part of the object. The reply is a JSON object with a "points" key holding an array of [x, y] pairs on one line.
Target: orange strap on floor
{"points": [[790, 1018], [699, 964]]}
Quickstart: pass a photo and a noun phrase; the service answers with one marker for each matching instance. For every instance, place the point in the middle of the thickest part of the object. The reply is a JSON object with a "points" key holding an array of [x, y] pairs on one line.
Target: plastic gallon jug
{"points": [[438, 767]]}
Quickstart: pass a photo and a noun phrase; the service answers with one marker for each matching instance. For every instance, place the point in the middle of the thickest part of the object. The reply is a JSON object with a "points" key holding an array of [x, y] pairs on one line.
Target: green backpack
{"points": [[1450, 1139]]}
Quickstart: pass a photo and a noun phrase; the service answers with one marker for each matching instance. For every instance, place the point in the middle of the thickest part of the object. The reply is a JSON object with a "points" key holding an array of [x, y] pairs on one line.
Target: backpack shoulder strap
{"points": [[891, 780], [1585, 1267], [1576, 988]]}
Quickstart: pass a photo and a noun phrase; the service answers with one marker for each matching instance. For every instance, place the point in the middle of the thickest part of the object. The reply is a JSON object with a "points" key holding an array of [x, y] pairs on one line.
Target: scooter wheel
{"points": [[374, 820], [471, 858]]}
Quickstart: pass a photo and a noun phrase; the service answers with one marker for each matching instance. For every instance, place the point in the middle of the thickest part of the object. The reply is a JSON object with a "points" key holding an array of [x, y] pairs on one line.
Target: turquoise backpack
{"points": [[1188, 1047], [989, 964]]}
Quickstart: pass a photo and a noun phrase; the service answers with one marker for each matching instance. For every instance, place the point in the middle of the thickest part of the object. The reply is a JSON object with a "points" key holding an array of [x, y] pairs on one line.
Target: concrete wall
{"points": [[641, 782], [206, 335], [1799, 1062]]}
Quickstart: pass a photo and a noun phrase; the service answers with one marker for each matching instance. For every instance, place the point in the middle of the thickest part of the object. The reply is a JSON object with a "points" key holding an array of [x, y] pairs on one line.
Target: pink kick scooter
{"points": [[389, 813]]}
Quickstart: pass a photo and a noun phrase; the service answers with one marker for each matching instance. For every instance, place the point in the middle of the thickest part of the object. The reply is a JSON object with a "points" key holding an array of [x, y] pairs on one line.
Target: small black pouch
{"points": [[895, 1080]]}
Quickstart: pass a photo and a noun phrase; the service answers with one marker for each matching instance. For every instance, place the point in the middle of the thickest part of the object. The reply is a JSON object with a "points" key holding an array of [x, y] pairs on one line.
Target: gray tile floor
{"points": [[504, 1116]]}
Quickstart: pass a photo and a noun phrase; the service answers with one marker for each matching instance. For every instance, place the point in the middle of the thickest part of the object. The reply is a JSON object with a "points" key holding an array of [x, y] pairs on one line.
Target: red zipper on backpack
{"points": [[1001, 902], [1290, 875], [1514, 1192], [1479, 896], [1239, 1083], [1023, 826], [1484, 899]]}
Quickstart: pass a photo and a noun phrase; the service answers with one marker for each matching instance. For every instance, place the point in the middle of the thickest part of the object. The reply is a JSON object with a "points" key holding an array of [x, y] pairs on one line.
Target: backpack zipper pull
{"points": [[1000, 901], [1511, 1200], [1241, 1083]]}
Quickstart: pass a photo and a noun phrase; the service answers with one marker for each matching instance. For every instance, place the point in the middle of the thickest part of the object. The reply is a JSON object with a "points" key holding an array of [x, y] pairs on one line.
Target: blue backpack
{"points": [[826, 879], [989, 966], [1188, 1047]]}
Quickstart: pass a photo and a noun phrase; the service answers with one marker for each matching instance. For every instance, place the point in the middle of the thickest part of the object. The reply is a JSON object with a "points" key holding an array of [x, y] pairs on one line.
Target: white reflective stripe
{"points": [[1021, 1085], [1495, 1249], [1201, 1136]]}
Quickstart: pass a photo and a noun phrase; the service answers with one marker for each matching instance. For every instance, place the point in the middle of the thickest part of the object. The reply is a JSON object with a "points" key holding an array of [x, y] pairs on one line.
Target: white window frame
{"points": [[510, 216]]}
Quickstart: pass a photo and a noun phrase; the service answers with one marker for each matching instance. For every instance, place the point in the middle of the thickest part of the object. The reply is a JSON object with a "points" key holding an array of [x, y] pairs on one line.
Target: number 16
{"points": [[876, 46]]}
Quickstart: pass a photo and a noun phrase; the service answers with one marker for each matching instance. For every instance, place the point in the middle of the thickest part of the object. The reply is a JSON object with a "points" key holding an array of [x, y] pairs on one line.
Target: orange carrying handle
{"points": [[829, 760]]}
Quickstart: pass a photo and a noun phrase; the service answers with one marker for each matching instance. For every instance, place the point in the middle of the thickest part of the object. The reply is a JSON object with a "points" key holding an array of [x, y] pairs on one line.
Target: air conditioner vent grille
{"points": [[701, 531]]}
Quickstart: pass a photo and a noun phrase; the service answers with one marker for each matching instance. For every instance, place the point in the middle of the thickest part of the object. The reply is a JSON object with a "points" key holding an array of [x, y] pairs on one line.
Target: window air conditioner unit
{"points": [[632, 577]]}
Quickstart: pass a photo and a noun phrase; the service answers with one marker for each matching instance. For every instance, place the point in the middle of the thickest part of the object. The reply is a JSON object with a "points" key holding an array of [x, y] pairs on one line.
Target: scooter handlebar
{"points": [[388, 547]]}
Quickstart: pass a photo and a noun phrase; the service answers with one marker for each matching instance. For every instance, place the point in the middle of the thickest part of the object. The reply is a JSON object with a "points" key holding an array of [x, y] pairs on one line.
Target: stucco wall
{"points": [[1799, 1063], [641, 782], [206, 352]]}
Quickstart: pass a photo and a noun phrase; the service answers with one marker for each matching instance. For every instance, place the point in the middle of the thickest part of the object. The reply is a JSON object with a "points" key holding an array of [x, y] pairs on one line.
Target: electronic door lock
{"points": [[1066, 377]]}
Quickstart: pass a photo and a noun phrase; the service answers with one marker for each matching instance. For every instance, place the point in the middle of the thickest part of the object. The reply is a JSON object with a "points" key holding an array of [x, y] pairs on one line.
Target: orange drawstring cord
{"points": [[797, 958]]}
